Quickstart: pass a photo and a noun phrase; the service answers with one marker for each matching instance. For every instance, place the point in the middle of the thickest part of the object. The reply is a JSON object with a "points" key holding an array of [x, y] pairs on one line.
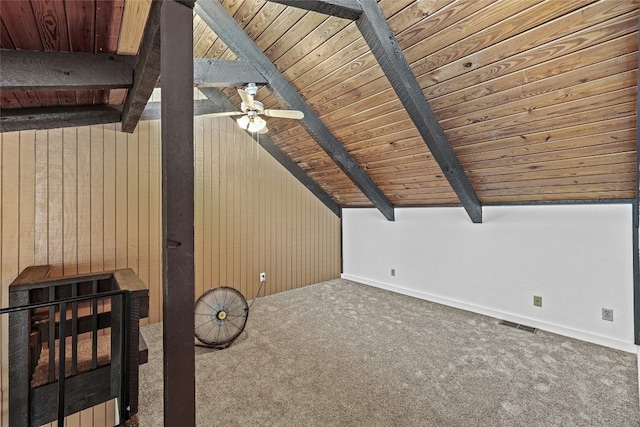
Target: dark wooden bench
{"points": [[94, 360]]}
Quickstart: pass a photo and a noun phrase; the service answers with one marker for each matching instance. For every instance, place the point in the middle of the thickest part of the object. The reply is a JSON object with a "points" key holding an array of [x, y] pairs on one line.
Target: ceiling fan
{"points": [[252, 110]]}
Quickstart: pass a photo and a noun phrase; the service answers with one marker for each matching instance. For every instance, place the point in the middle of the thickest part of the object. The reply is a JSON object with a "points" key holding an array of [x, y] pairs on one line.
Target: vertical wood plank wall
{"points": [[88, 199]]}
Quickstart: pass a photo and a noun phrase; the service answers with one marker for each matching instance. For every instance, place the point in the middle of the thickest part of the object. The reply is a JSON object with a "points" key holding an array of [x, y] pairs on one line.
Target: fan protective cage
{"points": [[220, 316]]}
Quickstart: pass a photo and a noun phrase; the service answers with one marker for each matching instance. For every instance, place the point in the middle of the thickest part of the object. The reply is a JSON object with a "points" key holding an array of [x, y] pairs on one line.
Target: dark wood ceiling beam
{"points": [[225, 73], [22, 70], [347, 9], [384, 46], [57, 117], [222, 103], [146, 72], [225, 27], [200, 108]]}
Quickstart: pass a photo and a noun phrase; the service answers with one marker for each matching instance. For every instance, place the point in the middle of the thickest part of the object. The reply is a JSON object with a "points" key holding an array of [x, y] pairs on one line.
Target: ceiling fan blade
{"points": [[284, 114], [263, 130], [226, 114], [247, 99]]}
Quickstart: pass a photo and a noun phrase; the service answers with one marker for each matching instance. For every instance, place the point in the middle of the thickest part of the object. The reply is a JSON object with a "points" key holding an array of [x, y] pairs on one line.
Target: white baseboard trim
{"points": [[550, 327]]}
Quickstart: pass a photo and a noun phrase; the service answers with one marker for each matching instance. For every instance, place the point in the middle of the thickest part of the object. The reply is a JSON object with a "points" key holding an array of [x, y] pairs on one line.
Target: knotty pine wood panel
{"points": [[565, 197], [604, 93], [487, 29], [604, 60], [561, 168], [203, 38], [247, 11], [278, 27], [502, 146], [81, 24], [347, 36], [610, 110], [583, 148], [108, 21], [520, 90], [305, 144], [268, 13], [134, 19], [618, 81], [619, 178], [88, 199], [364, 73], [521, 149], [21, 24], [409, 24], [371, 81], [205, 42], [52, 25], [574, 42], [232, 5], [594, 23], [9, 100], [5, 38], [311, 32], [620, 164]]}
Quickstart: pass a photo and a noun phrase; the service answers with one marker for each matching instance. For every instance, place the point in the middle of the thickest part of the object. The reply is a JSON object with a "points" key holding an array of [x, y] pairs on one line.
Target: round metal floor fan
{"points": [[220, 316]]}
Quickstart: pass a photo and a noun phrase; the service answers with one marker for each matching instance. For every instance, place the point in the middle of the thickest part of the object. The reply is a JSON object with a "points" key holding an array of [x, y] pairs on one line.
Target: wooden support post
{"points": [[176, 64]]}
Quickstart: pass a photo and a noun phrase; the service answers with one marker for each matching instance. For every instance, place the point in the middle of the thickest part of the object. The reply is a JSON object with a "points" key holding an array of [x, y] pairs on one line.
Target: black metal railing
{"points": [[120, 304]]}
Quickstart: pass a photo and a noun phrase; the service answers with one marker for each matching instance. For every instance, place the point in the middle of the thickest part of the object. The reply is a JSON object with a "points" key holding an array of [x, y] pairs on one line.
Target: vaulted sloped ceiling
{"points": [[537, 98]]}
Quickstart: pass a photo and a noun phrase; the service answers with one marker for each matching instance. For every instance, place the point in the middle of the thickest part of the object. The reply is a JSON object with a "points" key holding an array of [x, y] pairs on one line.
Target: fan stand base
{"points": [[199, 343]]}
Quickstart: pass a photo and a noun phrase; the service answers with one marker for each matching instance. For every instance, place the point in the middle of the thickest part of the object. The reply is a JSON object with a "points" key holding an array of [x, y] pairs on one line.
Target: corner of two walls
{"points": [[578, 258]]}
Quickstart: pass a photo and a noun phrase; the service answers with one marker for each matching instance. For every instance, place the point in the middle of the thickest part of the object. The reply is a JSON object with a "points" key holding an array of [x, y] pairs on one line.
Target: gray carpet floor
{"points": [[344, 354]]}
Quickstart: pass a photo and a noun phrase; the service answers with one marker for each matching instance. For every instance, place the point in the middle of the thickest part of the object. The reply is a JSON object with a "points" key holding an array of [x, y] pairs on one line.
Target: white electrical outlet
{"points": [[607, 314], [263, 277]]}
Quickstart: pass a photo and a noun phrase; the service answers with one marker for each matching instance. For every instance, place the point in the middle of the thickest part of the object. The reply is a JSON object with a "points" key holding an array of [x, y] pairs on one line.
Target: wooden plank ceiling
{"points": [[536, 97], [89, 26]]}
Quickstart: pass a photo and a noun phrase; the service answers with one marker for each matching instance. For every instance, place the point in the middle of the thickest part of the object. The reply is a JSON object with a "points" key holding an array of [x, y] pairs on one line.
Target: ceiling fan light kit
{"points": [[252, 123], [250, 119]]}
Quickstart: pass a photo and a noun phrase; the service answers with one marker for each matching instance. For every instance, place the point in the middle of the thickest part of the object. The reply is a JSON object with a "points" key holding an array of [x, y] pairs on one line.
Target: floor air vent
{"points": [[519, 326]]}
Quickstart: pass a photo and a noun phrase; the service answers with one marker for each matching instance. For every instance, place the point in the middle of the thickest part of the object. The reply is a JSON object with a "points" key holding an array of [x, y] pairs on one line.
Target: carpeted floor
{"points": [[344, 354]]}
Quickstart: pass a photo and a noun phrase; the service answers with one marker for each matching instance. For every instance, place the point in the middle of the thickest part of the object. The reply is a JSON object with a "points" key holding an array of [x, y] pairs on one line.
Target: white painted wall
{"points": [[577, 257]]}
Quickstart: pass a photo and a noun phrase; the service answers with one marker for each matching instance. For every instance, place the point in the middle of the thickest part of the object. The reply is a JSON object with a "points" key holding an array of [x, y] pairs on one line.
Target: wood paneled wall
{"points": [[254, 217], [89, 199]]}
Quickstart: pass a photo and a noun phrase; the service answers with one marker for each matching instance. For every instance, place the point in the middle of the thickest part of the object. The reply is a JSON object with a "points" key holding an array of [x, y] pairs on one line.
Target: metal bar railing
{"points": [[52, 336], [58, 302], [94, 327], [62, 304], [62, 342], [74, 330]]}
